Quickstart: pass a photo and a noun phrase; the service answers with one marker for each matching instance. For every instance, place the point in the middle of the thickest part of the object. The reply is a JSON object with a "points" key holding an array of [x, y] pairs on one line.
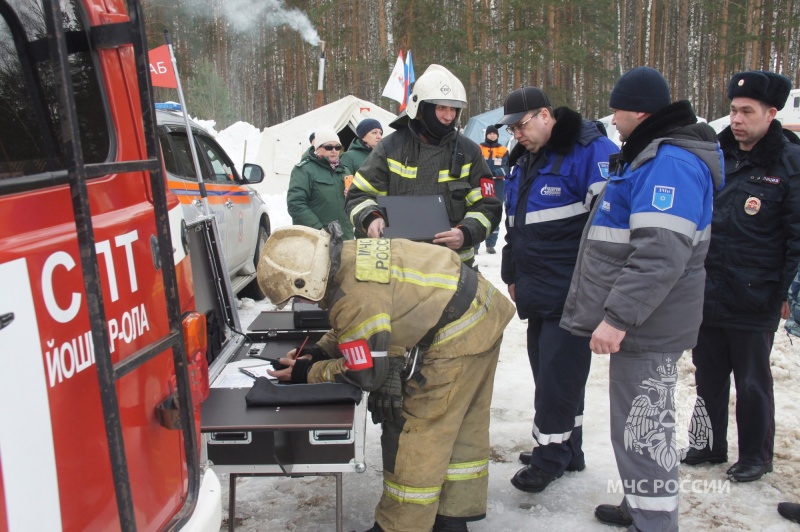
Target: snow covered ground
{"points": [[708, 501]]}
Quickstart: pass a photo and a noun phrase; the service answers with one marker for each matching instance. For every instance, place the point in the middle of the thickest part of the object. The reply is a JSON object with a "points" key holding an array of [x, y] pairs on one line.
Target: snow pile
{"points": [[236, 139]]}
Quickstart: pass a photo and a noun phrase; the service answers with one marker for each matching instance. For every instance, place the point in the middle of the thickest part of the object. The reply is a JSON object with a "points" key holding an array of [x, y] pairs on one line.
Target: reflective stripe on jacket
{"points": [[403, 165]]}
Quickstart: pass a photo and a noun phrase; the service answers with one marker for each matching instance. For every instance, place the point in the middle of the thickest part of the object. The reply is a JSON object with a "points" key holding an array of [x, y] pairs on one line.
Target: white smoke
{"points": [[243, 15]]}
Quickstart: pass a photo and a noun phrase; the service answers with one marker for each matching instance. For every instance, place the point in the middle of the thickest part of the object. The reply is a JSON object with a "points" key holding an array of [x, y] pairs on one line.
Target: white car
{"points": [[241, 214]]}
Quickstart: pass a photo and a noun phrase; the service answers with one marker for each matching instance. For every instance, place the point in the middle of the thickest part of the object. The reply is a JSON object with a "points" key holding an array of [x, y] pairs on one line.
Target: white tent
{"points": [[283, 145]]}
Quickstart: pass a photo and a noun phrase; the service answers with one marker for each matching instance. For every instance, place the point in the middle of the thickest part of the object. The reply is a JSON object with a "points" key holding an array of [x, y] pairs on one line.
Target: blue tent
{"points": [[476, 126]]}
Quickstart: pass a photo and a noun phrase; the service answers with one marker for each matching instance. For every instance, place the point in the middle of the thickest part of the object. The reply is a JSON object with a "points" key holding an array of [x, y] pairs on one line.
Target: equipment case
{"points": [[323, 439], [280, 325]]}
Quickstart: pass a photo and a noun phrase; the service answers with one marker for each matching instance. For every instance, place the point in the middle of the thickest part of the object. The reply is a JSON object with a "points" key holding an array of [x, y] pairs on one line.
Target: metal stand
{"points": [[232, 495]]}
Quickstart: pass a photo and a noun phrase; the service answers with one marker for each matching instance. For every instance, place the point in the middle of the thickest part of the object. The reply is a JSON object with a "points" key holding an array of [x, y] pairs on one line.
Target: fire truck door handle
{"points": [[229, 204]]}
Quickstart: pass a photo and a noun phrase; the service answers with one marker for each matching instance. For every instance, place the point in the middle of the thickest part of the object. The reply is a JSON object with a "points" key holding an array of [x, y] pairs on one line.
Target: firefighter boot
{"points": [[449, 524]]}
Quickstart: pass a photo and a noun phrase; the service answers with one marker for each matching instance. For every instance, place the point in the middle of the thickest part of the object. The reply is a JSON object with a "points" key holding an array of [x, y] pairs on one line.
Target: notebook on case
{"points": [[414, 217]]}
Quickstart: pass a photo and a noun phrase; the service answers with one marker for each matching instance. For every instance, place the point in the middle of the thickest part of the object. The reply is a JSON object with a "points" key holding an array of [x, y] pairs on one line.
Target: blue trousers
{"points": [[560, 363]]}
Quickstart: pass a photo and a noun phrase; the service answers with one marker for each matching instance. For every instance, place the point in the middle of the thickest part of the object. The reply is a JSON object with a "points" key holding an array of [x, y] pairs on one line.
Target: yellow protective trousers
{"points": [[436, 459]]}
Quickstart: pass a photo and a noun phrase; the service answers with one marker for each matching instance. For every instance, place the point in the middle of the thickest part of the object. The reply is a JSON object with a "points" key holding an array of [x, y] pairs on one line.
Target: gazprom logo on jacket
{"points": [[550, 191], [663, 197]]}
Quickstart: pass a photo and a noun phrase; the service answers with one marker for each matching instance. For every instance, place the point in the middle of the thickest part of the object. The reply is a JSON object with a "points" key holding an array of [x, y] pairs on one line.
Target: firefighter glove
{"points": [[386, 403], [300, 371]]}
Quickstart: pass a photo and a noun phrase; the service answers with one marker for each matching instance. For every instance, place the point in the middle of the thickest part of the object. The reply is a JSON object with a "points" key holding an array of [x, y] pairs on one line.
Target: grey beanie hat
{"points": [[642, 89]]}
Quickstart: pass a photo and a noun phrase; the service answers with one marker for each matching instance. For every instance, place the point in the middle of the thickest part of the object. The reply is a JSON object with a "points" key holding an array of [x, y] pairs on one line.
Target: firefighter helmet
{"points": [[295, 261], [438, 86]]}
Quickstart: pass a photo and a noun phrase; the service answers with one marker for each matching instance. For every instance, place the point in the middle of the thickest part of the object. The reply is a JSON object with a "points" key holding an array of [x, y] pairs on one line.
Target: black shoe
{"points": [[531, 479], [449, 524], [747, 472], [491, 251], [608, 514], [525, 458], [701, 456], [790, 510]]}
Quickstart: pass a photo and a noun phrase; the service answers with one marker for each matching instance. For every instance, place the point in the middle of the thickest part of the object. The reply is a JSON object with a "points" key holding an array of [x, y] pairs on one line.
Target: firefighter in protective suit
{"points": [[421, 332], [427, 155]]}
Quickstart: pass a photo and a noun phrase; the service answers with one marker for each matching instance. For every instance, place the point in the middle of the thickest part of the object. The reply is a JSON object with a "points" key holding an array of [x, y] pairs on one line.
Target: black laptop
{"points": [[414, 217]]}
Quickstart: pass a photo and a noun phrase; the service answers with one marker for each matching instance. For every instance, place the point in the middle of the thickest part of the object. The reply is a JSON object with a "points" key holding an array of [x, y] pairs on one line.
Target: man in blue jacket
{"points": [[638, 285], [562, 164]]}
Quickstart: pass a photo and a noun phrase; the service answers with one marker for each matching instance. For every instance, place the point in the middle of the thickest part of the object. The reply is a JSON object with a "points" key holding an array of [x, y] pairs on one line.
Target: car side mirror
{"points": [[253, 173]]}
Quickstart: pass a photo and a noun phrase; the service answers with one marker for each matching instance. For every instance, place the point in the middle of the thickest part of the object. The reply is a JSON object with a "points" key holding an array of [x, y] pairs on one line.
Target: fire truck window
{"points": [[30, 139], [223, 172]]}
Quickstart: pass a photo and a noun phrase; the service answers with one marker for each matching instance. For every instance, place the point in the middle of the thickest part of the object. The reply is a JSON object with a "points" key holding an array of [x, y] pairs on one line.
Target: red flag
{"points": [[161, 73]]}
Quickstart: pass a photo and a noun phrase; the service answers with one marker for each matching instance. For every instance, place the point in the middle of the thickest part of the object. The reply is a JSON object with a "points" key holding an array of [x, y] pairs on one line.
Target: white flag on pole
{"points": [[396, 87]]}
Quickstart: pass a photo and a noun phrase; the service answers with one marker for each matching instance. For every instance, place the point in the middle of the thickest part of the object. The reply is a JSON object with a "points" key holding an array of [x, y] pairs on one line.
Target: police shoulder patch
{"points": [[374, 260], [663, 197]]}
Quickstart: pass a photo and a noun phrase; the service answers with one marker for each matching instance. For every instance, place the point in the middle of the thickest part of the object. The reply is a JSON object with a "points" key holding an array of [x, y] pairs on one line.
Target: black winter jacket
{"points": [[755, 233]]}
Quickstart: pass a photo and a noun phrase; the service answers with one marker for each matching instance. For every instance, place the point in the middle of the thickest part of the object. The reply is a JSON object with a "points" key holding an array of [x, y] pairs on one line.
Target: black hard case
{"points": [[280, 325], [308, 315]]}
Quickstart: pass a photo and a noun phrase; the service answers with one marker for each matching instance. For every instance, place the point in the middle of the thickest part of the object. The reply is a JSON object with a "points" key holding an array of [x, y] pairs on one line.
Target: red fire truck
{"points": [[103, 359]]}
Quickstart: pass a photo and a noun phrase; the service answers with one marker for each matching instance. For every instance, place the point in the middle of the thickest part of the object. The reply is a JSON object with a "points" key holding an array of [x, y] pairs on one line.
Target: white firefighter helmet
{"points": [[438, 86], [295, 261]]}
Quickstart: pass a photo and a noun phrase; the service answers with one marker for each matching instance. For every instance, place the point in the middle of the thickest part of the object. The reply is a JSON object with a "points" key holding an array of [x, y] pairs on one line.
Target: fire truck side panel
{"points": [[54, 468]]}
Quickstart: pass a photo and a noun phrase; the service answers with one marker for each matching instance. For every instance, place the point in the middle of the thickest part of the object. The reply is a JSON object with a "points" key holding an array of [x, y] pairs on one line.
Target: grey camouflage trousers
{"points": [[643, 435]]}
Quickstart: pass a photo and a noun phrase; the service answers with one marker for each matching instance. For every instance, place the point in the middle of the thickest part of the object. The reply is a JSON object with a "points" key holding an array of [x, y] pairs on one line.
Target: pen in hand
{"points": [[300, 349]]}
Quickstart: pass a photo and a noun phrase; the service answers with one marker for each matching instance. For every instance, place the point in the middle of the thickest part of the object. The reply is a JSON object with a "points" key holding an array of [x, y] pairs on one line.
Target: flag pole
{"points": [[200, 183]]}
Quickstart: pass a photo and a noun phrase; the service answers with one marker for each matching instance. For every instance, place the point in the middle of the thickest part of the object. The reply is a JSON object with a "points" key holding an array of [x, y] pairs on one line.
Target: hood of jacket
{"points": [[675, 124]]}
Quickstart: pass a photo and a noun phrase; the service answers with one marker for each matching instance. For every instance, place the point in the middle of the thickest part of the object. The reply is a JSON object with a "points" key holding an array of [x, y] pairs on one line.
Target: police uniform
{"points": [[386, 297], [755, 249]]}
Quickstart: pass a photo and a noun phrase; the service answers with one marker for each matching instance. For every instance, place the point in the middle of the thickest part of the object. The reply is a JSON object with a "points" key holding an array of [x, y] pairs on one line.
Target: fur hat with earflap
{"points": [[768, 87]]}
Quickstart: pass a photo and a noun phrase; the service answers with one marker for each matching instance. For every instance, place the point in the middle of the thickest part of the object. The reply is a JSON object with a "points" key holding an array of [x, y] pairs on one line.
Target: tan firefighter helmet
{"points": [[295, 261]]}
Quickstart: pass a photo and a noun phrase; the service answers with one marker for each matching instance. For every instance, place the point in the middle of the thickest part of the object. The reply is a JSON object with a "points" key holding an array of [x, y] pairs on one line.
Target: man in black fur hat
{"points": [[755, 248], [638, 285], [561, 165]]}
